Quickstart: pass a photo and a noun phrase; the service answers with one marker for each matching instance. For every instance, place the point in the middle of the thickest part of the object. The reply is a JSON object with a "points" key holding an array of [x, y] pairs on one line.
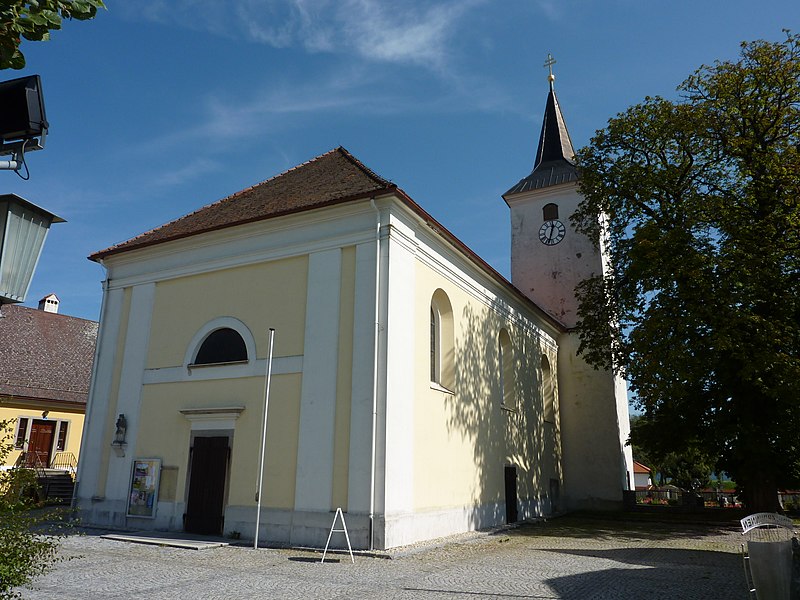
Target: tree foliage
{"points": [[686, 467], [697, 203], [33, 20], [29, 539]]}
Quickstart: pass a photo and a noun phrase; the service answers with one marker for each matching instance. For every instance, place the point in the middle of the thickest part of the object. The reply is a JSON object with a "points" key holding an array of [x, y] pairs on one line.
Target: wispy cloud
{"points": [[371, 33], [401, 31], [404, 33], [223, 119], [197, 167], [551, 9]]}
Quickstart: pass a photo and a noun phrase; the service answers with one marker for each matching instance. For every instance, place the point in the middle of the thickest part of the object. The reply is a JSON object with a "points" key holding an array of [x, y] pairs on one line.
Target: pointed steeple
{"points": [[554, 156]]}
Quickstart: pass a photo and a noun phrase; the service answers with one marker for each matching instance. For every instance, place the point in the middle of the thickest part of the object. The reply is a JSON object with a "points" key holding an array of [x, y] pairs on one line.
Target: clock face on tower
{"points": [[552, 232]]}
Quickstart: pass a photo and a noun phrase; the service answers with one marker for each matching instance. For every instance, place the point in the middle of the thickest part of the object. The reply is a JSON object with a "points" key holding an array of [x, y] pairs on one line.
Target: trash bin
{"points": [[768, 558]]}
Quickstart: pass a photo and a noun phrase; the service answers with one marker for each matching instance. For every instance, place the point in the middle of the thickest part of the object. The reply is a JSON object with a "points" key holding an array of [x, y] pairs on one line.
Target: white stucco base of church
{"points": [[311, 529], [104, 513], [402, 530]]}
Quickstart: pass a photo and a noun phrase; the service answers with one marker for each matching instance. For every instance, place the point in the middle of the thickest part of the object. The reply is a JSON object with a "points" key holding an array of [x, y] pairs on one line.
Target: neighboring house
{"points": [[412, 385], [45, 369], [641, 476]]}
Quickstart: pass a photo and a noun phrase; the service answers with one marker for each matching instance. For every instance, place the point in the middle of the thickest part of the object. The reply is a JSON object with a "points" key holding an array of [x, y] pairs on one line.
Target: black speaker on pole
{"points": [[22, 109]]}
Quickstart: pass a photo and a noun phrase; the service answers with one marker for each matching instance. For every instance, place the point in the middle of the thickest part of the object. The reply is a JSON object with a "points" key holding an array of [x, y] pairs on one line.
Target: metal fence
{"points": [[671, 496]]}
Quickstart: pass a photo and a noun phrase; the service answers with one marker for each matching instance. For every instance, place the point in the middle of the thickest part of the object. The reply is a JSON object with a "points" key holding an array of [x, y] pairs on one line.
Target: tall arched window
{"points": [[550, 212], [221, 346], [436, 345], [441, 341], [505, 365], [548, 391]]}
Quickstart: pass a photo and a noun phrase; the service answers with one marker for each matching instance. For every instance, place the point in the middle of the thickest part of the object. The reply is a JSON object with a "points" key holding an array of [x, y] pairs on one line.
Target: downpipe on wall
{"points": [[375, 351]]}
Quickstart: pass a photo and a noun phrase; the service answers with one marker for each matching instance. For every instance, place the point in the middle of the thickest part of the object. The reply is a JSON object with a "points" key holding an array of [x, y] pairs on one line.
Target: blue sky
{"points": [[158, 107]]}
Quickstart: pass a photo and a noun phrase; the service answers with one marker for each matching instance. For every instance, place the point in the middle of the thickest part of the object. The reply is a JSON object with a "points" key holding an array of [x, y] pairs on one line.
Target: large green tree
{"points": [[33, 20], [697, 202]]}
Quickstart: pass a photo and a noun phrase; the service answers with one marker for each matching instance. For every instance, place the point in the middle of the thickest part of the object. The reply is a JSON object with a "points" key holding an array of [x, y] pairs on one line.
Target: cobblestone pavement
{"points": [[564, 558]]}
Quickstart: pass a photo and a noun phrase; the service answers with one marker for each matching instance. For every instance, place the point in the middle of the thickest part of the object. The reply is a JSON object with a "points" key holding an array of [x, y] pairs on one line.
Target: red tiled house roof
{"points": [[45, 356]]}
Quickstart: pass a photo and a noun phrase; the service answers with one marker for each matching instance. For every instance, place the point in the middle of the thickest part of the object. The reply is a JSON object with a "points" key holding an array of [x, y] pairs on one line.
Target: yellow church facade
{"points": [[412, 386]]}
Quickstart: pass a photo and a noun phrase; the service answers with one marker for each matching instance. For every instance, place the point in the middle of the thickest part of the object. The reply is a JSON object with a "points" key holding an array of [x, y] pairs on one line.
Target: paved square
{"points": [[563, 558]]}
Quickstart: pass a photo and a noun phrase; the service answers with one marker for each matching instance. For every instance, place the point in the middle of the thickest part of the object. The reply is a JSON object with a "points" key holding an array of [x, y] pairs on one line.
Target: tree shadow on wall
{"points": [[501, 435]]}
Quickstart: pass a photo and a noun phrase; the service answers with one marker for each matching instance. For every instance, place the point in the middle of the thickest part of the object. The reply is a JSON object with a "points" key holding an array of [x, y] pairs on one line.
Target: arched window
{"points": [[221, 346], [441, 340], [505, 360], [436, 345], [550, 212], [548, 391]]}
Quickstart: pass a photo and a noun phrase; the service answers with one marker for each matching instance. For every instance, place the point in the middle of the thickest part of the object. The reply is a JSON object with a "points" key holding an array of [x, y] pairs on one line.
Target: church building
{"points": [[410, 384]]}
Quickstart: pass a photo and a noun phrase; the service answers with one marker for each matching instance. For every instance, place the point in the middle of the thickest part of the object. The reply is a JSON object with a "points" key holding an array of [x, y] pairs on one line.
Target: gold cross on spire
{"points": [[549, 64]]}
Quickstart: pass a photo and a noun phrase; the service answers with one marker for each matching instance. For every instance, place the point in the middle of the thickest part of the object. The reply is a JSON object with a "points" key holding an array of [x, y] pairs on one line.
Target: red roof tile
{"points": [[334, 177], [44, 355]]}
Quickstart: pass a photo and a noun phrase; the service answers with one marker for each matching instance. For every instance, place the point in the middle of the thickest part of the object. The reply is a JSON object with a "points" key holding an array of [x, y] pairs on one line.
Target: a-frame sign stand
{"points": [[338, 515]]}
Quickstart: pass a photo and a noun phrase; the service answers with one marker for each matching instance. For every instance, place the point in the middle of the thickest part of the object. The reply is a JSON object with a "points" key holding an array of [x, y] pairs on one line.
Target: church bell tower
{"points": [[548, 260]]}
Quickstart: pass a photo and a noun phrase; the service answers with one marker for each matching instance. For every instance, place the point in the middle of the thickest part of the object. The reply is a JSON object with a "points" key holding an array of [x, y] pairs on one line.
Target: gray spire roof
{"points": [[554, 156]]}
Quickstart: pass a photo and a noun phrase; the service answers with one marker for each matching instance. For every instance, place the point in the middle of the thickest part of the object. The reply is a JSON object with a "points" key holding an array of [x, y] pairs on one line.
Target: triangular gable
{"points": [[334, 177]]}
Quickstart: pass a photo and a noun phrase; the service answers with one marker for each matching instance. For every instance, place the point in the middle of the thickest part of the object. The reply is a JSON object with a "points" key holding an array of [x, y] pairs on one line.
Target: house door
{"points": [[40, 443], [206, 498], [511, 494]]}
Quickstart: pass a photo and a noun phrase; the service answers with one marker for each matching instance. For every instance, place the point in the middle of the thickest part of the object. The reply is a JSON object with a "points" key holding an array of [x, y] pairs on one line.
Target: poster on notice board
{"points": [[143, 496]]}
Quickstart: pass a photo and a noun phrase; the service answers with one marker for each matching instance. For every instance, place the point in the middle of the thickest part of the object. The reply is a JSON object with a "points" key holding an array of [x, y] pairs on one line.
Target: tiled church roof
{"points": [[45, 356], [334, 177]]}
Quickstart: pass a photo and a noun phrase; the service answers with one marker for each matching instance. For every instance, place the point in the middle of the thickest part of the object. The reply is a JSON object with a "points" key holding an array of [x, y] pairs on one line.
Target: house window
{"points": [[505, 360], [61, 442], [548, 391], [221, 346], [550, 212], [442, 350], [22, 429]]}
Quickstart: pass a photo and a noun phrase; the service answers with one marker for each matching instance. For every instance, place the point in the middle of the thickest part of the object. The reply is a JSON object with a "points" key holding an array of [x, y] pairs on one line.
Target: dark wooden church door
{"points": [[206, 498]]}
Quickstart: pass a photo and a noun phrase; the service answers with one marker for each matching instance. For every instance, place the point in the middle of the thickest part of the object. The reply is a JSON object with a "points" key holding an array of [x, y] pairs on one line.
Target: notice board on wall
{"points": [[143, 495]]}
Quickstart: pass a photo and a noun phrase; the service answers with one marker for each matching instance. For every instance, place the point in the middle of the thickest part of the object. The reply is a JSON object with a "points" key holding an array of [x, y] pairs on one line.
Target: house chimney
{"points": [[49, 303]]}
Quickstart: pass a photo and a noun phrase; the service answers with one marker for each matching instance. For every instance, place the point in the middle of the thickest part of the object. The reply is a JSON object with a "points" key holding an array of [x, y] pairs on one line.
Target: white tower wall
{"points": [[597, 464], [548, 274], [593, 404]]}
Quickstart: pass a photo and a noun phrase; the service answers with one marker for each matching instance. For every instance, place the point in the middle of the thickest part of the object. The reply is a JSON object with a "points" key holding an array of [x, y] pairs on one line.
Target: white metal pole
{"points": [[263, 436]]}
